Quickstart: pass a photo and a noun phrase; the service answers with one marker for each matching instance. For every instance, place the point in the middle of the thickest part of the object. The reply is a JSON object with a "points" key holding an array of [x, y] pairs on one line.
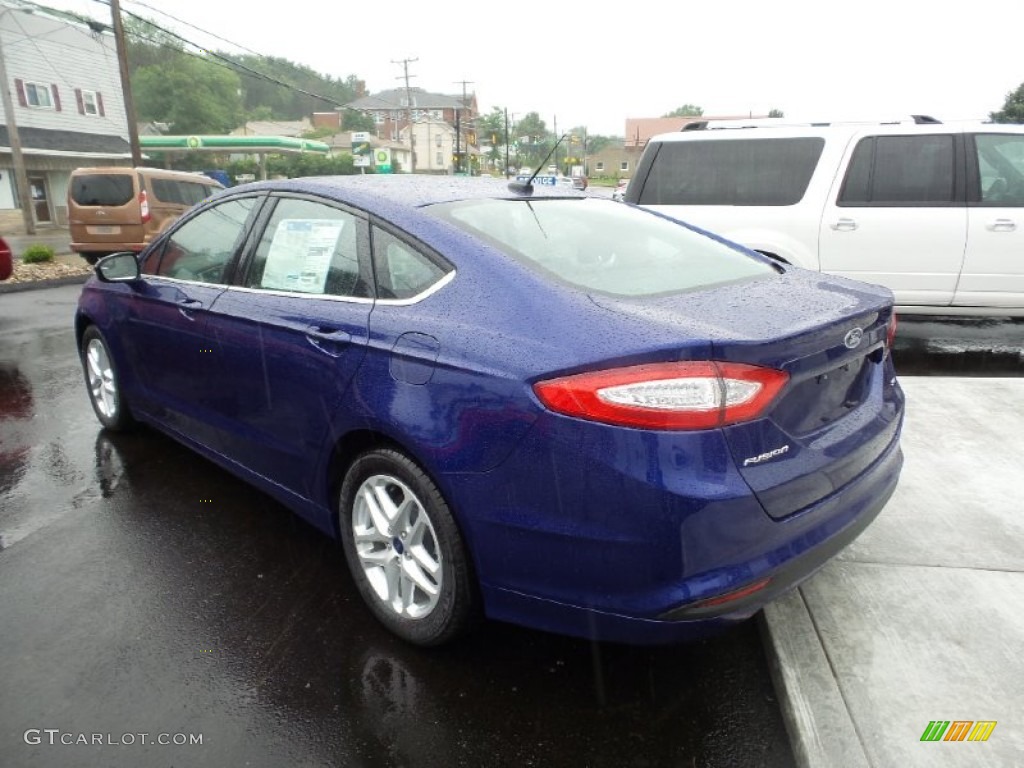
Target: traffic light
{"points": [[471, 137]]}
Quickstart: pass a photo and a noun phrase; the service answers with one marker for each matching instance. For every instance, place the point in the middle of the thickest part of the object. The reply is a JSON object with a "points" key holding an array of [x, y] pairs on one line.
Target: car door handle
{"points": [[333, 335], [844, 225], [330, 341], [185, 305], [1001, 225]]}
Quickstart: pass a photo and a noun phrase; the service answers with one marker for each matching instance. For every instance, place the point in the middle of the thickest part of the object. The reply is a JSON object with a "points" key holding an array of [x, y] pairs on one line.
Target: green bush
{"points": [[37, 254]]}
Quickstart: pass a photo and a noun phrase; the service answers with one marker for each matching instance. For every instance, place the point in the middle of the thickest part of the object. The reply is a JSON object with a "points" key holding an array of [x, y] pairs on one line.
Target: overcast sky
{"points": [[591, 64]]}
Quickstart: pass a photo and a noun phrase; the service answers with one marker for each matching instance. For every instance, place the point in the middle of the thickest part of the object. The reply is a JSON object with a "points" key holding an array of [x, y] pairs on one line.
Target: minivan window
{"points": [[732, 172], [900, 171], [112, 189], [603, 246], [180, 192]]}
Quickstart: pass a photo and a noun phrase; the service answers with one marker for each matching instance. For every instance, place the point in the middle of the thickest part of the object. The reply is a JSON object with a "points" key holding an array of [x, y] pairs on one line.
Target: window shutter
{"points": [[20, 86], [56, 96], [79, 101], [99, 103]]}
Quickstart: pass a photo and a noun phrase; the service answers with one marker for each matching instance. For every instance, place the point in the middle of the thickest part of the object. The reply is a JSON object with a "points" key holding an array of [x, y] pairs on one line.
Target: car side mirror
{"points": [[118, 268]]}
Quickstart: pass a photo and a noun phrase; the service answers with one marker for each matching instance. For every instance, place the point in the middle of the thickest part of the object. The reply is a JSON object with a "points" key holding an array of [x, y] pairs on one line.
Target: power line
{"points": [[234, 64], [198, 29]]}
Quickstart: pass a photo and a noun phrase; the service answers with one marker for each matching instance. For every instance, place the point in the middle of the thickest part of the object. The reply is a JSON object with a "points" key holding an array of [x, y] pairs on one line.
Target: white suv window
{"points": [[1001, 165], [901, 171], [732, 172]]}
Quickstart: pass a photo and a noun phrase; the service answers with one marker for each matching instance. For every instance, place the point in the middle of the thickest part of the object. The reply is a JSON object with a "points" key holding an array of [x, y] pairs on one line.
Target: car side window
{"points": [[402, 271], [1001, 168], [201, 249], [309, 247], [899, 171]]}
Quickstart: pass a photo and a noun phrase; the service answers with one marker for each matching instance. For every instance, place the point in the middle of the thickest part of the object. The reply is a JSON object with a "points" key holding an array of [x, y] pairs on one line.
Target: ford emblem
{"points": [[853, 338]]}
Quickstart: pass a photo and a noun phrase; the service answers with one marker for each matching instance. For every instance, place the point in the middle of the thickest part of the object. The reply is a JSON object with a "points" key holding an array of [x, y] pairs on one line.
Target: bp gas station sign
{"points": [[362, 152], [382, 159]]}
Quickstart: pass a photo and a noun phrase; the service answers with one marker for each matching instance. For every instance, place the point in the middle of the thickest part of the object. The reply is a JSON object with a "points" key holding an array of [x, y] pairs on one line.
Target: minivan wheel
{"points": [[404, 549], [103, 382]]}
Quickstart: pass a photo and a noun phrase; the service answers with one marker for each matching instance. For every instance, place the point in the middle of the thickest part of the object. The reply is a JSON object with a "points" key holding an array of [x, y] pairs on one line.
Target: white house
{"points": [[65, 87]]}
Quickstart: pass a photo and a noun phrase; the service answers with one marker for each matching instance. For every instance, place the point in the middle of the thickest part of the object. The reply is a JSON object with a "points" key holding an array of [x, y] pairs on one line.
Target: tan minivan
{"points": [[123, 209]]}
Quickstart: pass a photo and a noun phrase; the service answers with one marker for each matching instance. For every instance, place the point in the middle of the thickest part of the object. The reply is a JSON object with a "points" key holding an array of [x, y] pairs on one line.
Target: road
{"points": [[146, 596]]}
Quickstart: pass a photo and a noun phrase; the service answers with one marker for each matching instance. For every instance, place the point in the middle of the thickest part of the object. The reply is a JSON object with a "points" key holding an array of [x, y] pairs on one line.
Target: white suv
{"points": [[933, 211]]}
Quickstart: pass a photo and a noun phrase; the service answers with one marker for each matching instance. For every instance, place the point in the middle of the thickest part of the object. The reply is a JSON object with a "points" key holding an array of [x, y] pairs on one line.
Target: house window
{"points": [[439, 160], [624, 165], [379, 118], [437, 114], [38, 95], [600, 166], [89, 103]]}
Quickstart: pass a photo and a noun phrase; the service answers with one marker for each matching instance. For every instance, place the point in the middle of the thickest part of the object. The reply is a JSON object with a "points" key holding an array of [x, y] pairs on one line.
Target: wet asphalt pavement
{"points": [[145, 591], [146, 595]]}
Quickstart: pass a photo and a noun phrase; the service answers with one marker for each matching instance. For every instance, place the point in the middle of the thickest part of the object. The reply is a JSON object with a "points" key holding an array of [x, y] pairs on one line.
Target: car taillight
{"points": [[679, 396], [144, 206], [890, 332]]}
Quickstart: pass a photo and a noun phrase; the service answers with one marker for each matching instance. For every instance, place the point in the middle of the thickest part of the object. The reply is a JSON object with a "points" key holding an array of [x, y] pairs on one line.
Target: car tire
{"points": [[103, 382], [404, 549]]}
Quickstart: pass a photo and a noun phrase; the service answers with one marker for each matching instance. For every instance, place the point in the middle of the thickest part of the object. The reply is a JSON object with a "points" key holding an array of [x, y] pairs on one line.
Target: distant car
{"points": [[618, 194], [535, 405], [6, 260], [580, 182], [113, 209]]}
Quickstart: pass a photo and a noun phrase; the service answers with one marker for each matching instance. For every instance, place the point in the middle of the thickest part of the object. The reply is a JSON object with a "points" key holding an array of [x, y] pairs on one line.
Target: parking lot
{"points": [[145, 591]]}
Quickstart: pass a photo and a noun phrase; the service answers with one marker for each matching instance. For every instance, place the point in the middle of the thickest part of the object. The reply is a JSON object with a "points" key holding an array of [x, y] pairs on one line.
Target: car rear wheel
{"points": [[103, 382], [404, 549]]}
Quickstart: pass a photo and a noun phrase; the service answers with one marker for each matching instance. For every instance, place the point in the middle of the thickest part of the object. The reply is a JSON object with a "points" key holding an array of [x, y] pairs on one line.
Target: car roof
{"points": [[781, 129], [408, 190]]}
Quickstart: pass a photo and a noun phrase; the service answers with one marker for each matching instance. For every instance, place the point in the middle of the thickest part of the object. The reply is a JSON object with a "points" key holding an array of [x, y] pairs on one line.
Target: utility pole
{"points": [[126, 84], [20, 177], [408, 110], [469, 166], [506, 143]]}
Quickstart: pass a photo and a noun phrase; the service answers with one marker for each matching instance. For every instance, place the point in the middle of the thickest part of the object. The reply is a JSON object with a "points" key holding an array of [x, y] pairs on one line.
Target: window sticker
{"points": [[300, 255]]}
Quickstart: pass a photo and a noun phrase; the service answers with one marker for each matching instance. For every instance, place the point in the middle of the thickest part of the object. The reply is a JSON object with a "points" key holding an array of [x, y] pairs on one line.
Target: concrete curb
{"points": [[821, 729], [37, 284]]}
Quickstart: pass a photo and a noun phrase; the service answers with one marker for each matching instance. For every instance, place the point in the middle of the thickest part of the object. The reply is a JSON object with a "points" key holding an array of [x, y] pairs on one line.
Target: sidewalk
{"points": [[921, 618], [58, 239]]}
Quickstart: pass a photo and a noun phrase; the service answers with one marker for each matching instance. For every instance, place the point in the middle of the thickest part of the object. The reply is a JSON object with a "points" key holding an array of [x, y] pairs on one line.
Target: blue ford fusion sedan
{"points": [[524, 404]]}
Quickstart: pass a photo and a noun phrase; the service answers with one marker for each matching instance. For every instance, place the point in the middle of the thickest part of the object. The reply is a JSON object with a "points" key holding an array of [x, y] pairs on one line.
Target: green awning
{"points": [[232, 143]]}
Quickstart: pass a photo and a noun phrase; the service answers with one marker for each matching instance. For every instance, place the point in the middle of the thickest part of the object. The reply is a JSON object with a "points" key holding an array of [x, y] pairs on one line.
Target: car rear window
{"points": [[102, 189], [604, 246], [732, 172]]}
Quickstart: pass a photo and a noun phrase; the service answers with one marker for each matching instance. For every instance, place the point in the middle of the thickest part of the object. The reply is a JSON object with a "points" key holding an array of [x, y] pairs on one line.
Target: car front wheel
{"points": [[103, 382], [404, 549]]}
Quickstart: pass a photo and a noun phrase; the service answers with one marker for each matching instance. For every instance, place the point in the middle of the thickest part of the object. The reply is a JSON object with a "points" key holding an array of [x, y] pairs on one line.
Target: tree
{"points": [[1013, 108], [354, 120], [533, 139], [687, 110], [775, 113], [193, 95]]}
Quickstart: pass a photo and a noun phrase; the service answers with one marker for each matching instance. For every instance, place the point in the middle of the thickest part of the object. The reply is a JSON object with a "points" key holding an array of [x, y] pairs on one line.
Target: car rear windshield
{"points": [[604, 246], [732, 172], [102, 189]]}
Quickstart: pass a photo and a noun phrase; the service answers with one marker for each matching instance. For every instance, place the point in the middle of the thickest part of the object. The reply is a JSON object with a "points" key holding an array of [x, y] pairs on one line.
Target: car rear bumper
{"points": [[630, 536]]}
